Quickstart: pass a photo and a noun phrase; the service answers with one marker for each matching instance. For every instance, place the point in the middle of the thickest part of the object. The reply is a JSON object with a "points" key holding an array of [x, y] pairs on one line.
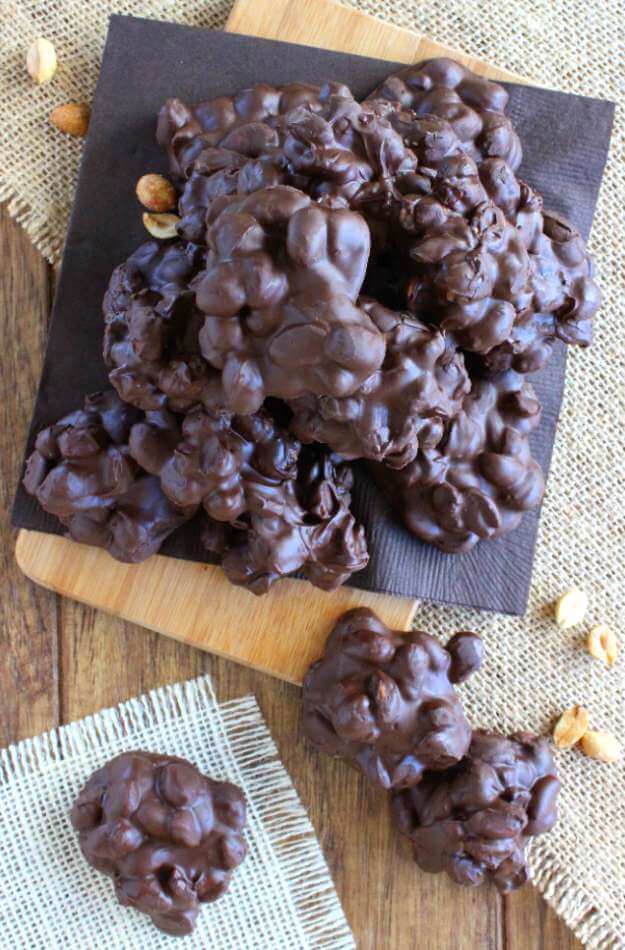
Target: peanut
{"points": [[570, 727]]}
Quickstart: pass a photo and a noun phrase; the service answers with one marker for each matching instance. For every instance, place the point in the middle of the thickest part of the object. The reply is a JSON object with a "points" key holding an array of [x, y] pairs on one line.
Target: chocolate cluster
{"points": [[477, 481], [274, 507], [151, 327], [474, 106], [403, 404], [473, 821], [385, 700], [370, 279], [169, 836], [82, 472], [279, 293], [468, 801]]}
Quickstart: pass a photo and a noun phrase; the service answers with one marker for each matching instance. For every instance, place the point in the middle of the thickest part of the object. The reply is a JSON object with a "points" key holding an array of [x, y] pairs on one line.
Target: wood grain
{"points": [[28, 652], [280, 633], [332, 26], [104, 660]]}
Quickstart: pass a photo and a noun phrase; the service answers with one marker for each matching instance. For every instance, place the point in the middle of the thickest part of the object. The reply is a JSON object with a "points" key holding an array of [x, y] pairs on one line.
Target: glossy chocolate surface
{"points": [[379, 268], [384, 700], [477, 481], [81, 472], [473, 821], [169, 836], [474, 106]]}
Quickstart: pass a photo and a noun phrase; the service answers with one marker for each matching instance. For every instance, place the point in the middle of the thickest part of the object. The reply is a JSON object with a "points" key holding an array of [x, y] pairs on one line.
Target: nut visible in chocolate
{"points": [[169, 836], [312, 532], [377, 267], [151, 329], [81, 472], [401, 406], [289, 508], [384, 700], [473, 820], [480, 477], [278, 292], [474, 106]]}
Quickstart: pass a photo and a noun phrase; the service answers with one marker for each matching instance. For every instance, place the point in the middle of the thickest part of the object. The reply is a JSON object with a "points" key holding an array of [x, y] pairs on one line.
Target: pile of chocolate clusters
{"points": [[347, 280], [468, 800]]}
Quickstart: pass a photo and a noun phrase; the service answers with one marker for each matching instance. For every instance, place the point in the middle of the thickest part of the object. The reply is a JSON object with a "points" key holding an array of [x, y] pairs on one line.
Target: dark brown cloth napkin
{"points": [[565, 141]]}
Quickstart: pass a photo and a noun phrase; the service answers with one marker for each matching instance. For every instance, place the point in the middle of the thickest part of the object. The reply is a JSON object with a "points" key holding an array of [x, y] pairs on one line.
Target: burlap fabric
{"points": [[280, 898], [534, 670]]}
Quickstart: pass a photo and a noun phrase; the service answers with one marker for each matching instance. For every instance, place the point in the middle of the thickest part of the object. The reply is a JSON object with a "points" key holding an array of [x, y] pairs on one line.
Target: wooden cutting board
{"points": [[282, 632]]}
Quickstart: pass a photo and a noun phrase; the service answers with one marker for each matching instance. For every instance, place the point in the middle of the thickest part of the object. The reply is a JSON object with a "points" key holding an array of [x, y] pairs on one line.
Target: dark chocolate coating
{"points": [[81, 472], [288, 508], [481, 477], [169, 836], [401, 406], [473, 821], [278, 292], [151, 344], [305, 527], [317, 139], [283, 194], [243, 123], [384, 700], [229, 464], [431, 144], [474, 106], [504, 286], [467, 654]]}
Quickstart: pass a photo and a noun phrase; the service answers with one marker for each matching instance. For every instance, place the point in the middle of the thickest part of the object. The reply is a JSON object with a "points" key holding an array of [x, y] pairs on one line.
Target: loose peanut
{"points": [[570, 727], [602, 644], [571, 607], [601, 745]]}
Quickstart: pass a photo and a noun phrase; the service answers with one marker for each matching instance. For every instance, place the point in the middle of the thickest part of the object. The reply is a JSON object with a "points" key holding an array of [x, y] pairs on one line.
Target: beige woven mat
{"points": [[282, 896], [534, 670]]}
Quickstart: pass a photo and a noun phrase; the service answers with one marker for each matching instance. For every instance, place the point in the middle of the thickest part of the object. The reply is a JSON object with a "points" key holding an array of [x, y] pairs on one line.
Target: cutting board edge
{"points": [[413, 39], [397, 612]]}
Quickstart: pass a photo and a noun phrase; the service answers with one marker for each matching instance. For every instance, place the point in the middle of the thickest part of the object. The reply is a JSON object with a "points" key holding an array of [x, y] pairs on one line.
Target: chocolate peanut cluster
{"points": [[385, 700], [169, 836], [474, 106], [82, 472], [279, 288], [311, 531], [473, 821], [374, 275], [467, 800], [477, 481], [284, 509], [402, 405], [151, 327]]}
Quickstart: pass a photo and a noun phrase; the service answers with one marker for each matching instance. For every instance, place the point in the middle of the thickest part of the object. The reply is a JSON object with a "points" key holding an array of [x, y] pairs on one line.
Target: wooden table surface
{"points": [[60, 661]]}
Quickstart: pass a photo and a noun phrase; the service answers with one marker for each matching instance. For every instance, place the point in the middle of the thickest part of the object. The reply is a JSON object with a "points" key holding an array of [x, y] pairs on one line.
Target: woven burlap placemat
{"points": [[282, 896], [534, 669]]}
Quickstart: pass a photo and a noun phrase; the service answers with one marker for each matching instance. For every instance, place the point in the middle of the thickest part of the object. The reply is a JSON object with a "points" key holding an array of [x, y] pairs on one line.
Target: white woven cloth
{"points": [[281, 898], [534, 670]]}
